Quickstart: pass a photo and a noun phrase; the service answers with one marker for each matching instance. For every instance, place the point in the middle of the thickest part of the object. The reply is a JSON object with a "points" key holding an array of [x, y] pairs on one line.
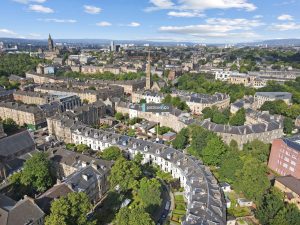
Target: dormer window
{"points": [[146, 148], [169, 156], [157, 151], [134, 145]]}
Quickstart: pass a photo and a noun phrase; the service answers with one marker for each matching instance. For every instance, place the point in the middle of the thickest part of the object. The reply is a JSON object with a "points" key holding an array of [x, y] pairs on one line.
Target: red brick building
{"points": [[285, 156]]}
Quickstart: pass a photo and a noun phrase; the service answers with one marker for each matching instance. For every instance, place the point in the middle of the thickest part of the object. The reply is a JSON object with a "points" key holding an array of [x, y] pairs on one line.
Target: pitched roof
{"points": [[291, 182], [23, 212], [16, 143]]}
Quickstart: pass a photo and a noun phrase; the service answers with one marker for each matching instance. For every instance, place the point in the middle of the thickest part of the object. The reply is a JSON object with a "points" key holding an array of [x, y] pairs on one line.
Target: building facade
{"points": [[285, 156]]}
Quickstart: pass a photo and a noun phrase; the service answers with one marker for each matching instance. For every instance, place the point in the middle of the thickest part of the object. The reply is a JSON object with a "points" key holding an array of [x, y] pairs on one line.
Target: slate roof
{"points": [[57, 191], [13, 144], [290, 182], [23, 212], [293, 142]]}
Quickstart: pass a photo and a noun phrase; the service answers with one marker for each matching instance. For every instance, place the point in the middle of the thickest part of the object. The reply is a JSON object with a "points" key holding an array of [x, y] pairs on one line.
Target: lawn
{"points": [[179, 211]]}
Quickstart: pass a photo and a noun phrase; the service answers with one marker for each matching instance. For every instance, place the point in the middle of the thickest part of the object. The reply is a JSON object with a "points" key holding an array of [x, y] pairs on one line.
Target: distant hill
{"points": [[275, 42], [99, 42]]}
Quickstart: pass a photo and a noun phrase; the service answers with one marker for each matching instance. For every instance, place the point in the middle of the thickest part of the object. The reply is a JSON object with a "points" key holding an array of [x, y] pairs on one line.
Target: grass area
{"points": [[179, 211], [179, 198], [236, 210]]}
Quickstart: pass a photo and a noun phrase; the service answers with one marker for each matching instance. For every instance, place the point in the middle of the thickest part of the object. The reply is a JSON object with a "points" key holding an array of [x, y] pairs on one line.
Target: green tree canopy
{"points": [[36, 172], [213, 152], [181, 140], [258, 150], [134, 216], [252, 179], [124, 173], [239, 118], [70, 210], [149, 193], [110, 153]]}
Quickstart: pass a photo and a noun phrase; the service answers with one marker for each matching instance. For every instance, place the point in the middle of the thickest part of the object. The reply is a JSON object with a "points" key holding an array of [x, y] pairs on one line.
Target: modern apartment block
{"points": [[285, 156]]}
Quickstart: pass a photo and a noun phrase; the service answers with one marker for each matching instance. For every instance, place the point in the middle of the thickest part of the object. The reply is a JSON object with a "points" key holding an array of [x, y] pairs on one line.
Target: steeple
{"points": [[148, 72], [50, 44]]}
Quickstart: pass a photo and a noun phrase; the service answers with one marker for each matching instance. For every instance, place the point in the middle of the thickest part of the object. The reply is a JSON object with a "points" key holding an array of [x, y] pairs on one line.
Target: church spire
{"points": [[148, 75]]}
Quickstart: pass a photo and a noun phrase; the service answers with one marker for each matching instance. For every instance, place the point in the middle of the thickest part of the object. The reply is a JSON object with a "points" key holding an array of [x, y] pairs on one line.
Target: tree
{"points": [[119, 116], [258, 150], [36, 172], [181, 139], [213, 152], [199, 137], [288, 125], [149, 193], [110, 153], [82, 148], [10, 126], [252, 179], [124, 173], [70, 210], [231, 163], [239, 118], [135, 216], [271, 204]]}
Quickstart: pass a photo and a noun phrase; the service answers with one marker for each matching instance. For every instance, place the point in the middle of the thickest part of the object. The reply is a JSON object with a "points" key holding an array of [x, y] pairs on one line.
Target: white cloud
{"points": [[285, 26], [162, 4], [58, 20], [92, 9], [7, 32], [103, 24], [217, 28], [134, 24], [201, 5], [40, 9], [258, 16], [185, 14], [285, 17], [243, 24], [34, 35], [29, 1]]}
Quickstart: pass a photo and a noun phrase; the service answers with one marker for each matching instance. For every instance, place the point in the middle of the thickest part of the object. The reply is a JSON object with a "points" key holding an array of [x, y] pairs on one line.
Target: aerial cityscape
{"points": [[150, 112]]}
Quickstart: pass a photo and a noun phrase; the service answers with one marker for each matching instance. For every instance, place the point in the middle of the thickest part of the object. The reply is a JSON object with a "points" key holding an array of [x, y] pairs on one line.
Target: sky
{"points": [[201, 21]]}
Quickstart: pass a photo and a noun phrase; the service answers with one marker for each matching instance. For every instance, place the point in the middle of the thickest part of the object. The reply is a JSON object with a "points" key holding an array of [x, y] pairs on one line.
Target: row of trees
{"points": [[225, 117], [103, 76]]}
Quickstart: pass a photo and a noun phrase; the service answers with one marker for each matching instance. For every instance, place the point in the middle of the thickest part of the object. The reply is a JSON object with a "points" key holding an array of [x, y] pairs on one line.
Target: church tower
{"points": [[148, 73], [50, 44]]}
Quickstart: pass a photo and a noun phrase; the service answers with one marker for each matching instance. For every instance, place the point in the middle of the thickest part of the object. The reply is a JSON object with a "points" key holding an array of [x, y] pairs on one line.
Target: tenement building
{"points": [[84, 94], [259, 126], [81, 173], [198, 102], [205, 200], [38, 98], [31, 116], [174, 119], [261, 97], [284, 157], [148, 96]]}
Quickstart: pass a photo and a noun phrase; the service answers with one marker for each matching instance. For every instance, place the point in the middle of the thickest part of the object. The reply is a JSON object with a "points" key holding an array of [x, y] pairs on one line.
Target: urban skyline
{"points": [[154, 20]]}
